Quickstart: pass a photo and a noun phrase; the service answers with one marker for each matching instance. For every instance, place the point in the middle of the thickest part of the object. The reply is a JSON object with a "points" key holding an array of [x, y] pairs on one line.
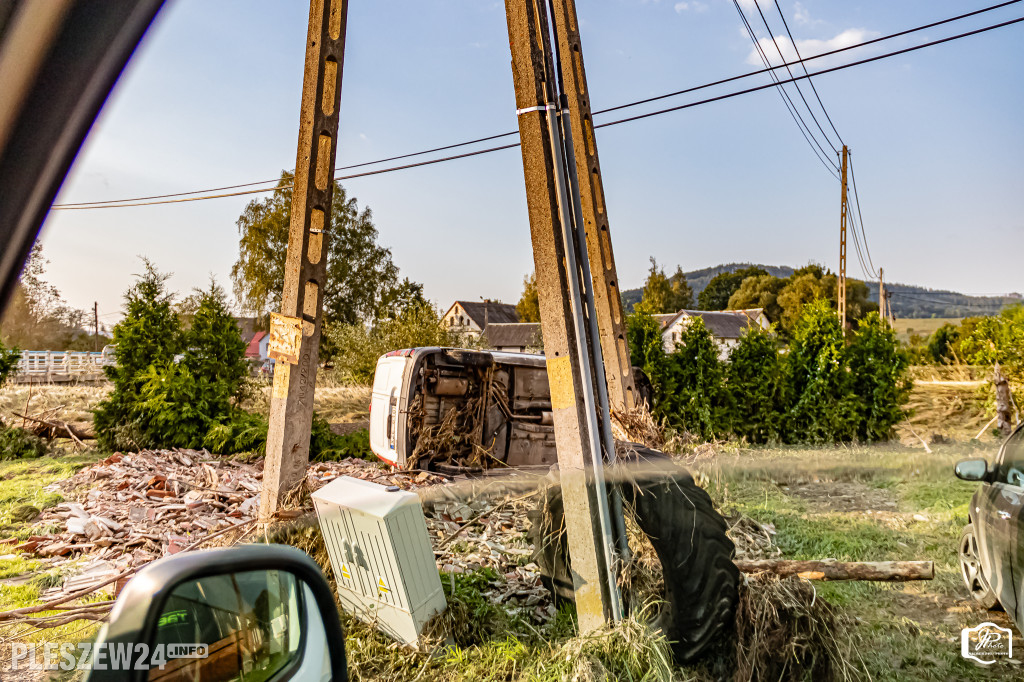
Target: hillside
{"points": [[908, 301]]}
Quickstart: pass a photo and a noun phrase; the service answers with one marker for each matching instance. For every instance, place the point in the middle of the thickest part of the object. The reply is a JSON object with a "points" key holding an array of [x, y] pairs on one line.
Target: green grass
{"points": [[922, 326], [908, 631], [22, 484]]}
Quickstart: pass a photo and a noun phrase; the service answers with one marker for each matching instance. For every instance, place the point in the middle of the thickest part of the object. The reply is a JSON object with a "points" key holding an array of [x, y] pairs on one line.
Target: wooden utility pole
{"points": [[96, 323], [881, 297], [558, 287], [291, 406], [618, 369], [841, 284]]}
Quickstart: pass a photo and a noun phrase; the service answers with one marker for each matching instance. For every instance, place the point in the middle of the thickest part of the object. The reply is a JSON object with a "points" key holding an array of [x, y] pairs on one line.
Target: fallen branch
{"points": [[55, 427], [891, 571], [985, 427]]}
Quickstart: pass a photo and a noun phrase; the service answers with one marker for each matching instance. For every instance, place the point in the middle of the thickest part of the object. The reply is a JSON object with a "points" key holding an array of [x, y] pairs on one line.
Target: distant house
{"points": [[726, 326], [513, 337], [247, 327], [471, 317], [257, 348]]}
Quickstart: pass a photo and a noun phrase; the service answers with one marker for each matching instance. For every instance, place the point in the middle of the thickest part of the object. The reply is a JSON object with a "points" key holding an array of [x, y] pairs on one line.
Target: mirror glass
{"points": [[249, 622], [972, 469]]}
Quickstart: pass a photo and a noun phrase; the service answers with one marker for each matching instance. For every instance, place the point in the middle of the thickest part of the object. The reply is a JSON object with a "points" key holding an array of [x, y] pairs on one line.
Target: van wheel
{"points": [[687, 534], [970, 569]]}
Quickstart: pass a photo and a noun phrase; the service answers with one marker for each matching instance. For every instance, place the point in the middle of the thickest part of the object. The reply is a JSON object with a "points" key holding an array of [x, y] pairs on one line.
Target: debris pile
{"points": [[472, 534], [753, 540], [134, 508]]}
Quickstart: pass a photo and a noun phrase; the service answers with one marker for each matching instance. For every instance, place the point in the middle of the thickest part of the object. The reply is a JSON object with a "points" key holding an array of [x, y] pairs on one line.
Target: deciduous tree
{"points": [[722, 286], [528, 307], [363, 283]]}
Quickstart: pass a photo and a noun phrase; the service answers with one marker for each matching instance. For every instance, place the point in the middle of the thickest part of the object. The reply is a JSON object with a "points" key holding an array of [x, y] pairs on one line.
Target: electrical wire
{"points": [[656, 98], [860, 218], [799, 90], [790, 107], [118, 203], [804, 67]]}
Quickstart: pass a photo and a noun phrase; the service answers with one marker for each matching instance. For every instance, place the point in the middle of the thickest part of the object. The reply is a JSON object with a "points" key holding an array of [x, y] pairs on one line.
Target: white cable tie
{"points": [[540, 107]]}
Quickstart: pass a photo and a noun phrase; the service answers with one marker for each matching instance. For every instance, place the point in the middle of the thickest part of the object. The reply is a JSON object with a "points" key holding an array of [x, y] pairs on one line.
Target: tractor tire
{"points": [[688, 535]]}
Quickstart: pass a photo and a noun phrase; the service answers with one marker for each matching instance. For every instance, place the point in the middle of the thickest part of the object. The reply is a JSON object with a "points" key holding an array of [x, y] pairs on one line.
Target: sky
{"points": [[211, 98]]}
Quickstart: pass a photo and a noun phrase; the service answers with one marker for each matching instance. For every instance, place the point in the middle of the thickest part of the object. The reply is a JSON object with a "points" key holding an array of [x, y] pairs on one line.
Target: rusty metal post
{"points": [[291, 407], [575, 438], [607, 297]]}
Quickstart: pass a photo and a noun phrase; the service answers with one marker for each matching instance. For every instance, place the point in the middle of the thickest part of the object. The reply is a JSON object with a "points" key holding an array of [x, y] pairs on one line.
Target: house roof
{"points": [[512, 335], [752, 313], [723, 324], [487, 312], [247, 327], [665, 319], [253, 349]]}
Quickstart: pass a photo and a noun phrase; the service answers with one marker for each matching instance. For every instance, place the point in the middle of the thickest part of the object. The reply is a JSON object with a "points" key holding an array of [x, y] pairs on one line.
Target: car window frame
{"points": [[999, 477]]}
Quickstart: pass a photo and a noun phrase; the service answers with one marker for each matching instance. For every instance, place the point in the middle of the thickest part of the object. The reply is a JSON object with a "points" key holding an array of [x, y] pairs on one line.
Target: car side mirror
{"points": [[251, 612], [972, 470]]}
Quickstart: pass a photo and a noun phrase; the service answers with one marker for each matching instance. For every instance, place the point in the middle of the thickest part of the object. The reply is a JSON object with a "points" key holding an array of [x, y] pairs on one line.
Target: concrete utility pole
{"points": [[569, 343], [607, 297], [844, 207], [291, 407]]}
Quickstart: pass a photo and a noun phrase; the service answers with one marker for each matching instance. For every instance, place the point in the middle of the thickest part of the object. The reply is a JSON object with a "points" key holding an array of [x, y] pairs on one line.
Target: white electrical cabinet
{"points": [[380, 553]]}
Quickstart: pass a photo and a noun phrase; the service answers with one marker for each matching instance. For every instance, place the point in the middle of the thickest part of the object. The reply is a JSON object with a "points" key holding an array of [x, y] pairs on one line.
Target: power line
{"points": [[600, 111], [860, 218], [799, 91], [804, 66], [629, 119], [648, 100], [790, 107]]}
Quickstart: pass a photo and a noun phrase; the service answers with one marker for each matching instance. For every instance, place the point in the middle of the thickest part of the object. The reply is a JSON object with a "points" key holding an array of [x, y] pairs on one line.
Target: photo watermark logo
{"points": [[102, 656], [986, 642]]}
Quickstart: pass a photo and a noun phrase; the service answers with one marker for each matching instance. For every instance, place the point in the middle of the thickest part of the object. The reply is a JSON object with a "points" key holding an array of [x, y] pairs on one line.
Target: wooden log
{"points": [[890, 571]]}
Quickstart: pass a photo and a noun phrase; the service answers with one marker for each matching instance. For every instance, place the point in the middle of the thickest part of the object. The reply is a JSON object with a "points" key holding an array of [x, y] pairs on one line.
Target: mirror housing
{"points": [[972, 470], [134, 619]]}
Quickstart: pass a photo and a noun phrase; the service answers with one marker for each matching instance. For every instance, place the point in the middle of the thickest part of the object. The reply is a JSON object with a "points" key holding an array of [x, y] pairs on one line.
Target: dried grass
{"points": [[786, 631], [72, 403]]}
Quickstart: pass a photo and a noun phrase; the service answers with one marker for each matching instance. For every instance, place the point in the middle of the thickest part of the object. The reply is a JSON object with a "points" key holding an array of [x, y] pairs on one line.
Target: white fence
{"points": [[60, 366]]}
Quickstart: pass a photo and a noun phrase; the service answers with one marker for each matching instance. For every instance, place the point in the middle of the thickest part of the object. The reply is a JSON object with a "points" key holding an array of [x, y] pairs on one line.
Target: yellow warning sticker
{"points": [[560, 378], [344, 572], [382, 586]]}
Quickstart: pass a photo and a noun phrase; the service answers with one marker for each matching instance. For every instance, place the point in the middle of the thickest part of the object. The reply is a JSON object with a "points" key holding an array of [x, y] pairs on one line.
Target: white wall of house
{"points": [[670, 337], [458, 321]]}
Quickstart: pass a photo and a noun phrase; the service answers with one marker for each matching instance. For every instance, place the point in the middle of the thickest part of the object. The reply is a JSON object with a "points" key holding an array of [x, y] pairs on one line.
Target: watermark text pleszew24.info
{"points": [[103, 656]]}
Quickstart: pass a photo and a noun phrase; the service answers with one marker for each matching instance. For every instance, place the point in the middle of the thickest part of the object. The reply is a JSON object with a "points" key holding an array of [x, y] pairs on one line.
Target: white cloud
{"points": [[691, 5], [801, 15], [809, 48], [748, 5]]}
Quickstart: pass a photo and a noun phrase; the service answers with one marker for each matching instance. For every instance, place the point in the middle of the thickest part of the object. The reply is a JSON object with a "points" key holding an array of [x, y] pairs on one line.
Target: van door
{"points": [[387, 389]]}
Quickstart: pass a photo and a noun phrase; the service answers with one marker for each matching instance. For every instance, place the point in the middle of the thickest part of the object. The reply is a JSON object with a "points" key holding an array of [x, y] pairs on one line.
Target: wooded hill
{"points": [[908, 301]]}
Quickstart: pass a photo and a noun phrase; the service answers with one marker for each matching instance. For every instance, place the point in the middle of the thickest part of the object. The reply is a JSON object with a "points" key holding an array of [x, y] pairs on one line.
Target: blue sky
{"points": [[212, 97]]}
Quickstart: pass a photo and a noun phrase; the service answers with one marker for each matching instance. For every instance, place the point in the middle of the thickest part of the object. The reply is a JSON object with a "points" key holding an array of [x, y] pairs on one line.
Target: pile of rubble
{"points": [[480, 533], [131, 509]]}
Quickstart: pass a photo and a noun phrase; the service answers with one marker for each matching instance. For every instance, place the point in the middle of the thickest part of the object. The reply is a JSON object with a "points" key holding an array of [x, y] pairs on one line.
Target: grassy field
{"points": [[923, 327]]}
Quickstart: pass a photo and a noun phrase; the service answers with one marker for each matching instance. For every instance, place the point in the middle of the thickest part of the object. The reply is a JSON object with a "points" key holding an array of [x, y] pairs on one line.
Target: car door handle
{"points": [[1004, 515]]}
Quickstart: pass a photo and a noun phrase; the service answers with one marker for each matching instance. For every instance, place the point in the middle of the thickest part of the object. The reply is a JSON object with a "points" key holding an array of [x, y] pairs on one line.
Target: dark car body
{"points": [[995, 518]]}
